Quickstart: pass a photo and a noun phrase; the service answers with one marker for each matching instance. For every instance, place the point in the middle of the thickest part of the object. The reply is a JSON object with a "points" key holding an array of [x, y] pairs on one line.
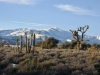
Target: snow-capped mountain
{"points": [[61, 35]]}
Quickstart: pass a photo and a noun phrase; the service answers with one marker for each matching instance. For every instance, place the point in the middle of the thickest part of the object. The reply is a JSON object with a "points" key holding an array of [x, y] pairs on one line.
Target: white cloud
{"points": [[32, 24], [26, 2], [76, 10]]}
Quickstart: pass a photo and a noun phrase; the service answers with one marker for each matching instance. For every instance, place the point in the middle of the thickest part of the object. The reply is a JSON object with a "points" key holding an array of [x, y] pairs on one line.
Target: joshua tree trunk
{"points": [[28, 48], [26, 41], [34, 40], [82, 35], [21, 43], [31, 39], [33, 43], [17, 45]]}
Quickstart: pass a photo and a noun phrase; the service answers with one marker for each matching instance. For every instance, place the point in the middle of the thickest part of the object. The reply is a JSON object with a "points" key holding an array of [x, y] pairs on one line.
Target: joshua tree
{"points": [[77, 37], [21, 43], [83, 29], [17, 44], [26, 40]]}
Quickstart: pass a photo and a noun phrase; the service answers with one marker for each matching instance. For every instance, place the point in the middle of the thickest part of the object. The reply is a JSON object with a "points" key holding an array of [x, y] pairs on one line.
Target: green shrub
{"points": [[38, 44], [94, 45], [49, 43], [88, 45], [73, 44], [64, 45]]}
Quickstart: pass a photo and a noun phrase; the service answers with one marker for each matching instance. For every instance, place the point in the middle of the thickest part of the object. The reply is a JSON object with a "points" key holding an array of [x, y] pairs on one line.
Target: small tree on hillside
{"points": [[50, 43]]}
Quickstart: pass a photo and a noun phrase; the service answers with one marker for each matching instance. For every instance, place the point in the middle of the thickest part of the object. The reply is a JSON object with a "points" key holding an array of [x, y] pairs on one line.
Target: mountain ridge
{"points": [[42, 34]]}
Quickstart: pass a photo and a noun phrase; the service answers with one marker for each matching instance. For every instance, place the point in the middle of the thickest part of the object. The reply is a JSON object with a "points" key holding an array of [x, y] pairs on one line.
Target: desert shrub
{"points": [[64, 45], [6, 60], [1, 56], [50, 43], [38, 44], [97, 67], [18, 54], [61, 69], [4, 63], [88, 45], [98, 46], [33, 65], [93, 56], [18, 59], [46, 65], [73, 44], [29, 65], [13, 58], [11, 70], [94, 45], [84, 46]]}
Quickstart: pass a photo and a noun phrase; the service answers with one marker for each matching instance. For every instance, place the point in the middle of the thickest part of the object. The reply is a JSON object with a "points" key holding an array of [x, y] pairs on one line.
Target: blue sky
{"points": [[41, 14]]}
